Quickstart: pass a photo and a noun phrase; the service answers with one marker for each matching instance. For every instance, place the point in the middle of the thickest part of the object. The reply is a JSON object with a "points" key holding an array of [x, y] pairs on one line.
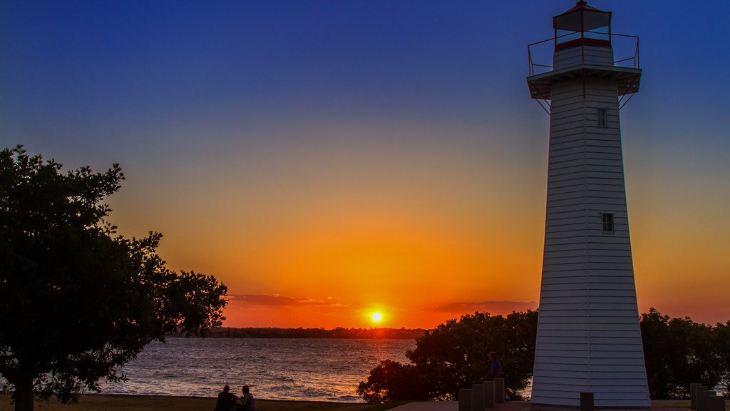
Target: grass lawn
{"points": [[161, 403], [157, 403], [671, 404]]}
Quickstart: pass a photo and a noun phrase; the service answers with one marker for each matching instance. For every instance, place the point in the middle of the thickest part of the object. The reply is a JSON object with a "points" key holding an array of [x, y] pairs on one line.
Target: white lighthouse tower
{"points": [[588, 338]]}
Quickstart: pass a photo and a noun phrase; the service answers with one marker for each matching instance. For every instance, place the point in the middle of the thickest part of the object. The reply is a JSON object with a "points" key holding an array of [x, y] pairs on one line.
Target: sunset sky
{"points": [[328, 159]]}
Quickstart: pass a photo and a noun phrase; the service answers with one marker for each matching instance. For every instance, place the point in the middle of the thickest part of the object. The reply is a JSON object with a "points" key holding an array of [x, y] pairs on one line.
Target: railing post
{"points": [[488, 394], [586, 401], [698, 393], [716, 403], [499, 390], [693, 394], [477, 397], [464, 399], [703, 399]]}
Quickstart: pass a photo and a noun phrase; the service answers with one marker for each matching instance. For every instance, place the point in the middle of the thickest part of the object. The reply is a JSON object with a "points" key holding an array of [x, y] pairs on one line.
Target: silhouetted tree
{"points": [[455, 355], [77, 300], [721, 340], [392, 381], [679, 351]]}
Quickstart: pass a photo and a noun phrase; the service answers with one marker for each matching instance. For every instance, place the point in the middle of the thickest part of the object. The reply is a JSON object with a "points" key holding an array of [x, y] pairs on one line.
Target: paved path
{"points": [[454, 406], [525, 406]]}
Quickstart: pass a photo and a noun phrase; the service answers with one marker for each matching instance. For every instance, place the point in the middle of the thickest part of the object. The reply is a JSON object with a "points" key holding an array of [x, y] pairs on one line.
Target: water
{"points": [[285, 369], [276, 368]]}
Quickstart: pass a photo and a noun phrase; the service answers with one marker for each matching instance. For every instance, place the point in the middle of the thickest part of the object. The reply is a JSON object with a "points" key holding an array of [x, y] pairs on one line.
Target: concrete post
{"points": [[697, 391], [693, 394], [464, 400], [499, 390], [703, 399], [586, 401], [716, 403], [488, 394], [477, 397]]}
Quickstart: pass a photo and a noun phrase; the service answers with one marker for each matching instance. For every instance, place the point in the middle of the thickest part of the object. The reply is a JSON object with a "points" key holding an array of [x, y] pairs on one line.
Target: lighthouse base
{"points": [[540, 407]]}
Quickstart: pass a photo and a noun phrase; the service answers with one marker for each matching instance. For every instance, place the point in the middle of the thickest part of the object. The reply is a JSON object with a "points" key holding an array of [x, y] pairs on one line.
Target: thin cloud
{"points": [[280, 301]]}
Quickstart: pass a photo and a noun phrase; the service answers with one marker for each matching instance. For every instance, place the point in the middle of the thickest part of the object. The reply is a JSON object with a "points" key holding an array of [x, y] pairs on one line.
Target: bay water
{"points": [[274, 368]]}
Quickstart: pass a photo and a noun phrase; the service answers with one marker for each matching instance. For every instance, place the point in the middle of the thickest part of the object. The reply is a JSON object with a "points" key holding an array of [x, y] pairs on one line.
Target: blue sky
{"points": [[264, 138]]}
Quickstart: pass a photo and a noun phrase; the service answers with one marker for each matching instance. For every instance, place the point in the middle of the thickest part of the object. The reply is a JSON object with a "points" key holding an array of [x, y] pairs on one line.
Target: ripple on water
{"points": [[294, 369]]}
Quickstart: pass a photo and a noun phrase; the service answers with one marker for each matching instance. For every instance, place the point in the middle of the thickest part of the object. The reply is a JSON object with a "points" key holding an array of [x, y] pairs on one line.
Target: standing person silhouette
{"points": [[495, 370]]}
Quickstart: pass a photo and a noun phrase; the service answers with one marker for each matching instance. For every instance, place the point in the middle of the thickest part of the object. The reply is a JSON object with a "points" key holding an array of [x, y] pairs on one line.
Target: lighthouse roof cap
{"points": [[582, 5], [582, 17]]}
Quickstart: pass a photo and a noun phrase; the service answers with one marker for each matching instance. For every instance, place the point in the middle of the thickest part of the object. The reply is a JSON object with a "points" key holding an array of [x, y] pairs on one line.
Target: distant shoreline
{"points": [[337, 333]]}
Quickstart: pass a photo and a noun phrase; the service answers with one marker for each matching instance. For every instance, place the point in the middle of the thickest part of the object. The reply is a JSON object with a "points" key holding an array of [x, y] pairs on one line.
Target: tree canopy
{"points": [[455, 355], [677, 352], [77, 300]]}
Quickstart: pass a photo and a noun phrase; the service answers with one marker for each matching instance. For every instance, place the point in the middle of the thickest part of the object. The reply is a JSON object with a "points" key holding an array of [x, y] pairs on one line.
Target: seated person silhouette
{"points": [[245, 402], [226, 400]]}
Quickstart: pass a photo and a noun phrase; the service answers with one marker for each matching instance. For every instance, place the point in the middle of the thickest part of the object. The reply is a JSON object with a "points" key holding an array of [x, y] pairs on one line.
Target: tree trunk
{"points": [[23, 395]]}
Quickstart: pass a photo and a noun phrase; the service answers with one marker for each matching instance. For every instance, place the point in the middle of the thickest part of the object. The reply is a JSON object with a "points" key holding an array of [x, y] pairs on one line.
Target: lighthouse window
{"points": [[602, 117], [607, 222]]}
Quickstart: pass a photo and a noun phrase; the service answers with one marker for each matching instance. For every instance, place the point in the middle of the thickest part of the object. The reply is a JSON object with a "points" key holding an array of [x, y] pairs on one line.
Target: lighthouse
{"points": [[588, 338]]}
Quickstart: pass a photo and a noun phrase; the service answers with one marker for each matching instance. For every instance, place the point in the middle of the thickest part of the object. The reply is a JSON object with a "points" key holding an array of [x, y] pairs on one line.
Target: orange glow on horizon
{"points": [[321, 185], [425, 246]]}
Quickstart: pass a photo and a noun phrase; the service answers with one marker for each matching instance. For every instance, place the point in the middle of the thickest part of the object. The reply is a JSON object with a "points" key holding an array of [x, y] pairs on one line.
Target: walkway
{"points": [[454, 406], [667, 405]]}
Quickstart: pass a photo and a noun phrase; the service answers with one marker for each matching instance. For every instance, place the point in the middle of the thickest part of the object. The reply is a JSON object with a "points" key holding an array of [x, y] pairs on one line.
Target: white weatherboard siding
{"points": [[583, 55], [588, 336]]}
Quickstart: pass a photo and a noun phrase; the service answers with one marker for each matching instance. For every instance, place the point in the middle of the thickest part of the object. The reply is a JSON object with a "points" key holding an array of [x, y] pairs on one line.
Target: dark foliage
{"points": [[678, 351], [454, 356], [392, 381], [76, 300], [721, 342]]}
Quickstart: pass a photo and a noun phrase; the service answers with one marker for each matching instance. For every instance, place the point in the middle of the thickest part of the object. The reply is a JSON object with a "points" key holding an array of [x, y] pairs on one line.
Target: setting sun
{"points": [[377, 317]]}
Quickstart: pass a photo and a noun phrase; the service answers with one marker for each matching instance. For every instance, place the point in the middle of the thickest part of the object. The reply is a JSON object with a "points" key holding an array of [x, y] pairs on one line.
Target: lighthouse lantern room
{"points": [[582, 25]]}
